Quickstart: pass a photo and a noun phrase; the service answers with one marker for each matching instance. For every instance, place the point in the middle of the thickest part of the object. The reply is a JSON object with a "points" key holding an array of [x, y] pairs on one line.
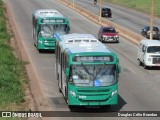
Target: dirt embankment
{"points": [[15, 43], [34, 99]]}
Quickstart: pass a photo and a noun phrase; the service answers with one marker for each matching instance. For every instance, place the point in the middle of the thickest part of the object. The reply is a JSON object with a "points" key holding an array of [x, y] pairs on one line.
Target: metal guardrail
{"points": [[124, 32]]}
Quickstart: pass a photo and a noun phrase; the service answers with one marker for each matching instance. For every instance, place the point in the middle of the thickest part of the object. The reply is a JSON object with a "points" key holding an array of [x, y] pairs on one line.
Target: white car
{"points": [[149, 53]]}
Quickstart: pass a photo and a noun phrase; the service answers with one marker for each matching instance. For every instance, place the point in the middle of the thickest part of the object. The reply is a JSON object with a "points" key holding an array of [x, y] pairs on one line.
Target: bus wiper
{"points": [[86, 69]]}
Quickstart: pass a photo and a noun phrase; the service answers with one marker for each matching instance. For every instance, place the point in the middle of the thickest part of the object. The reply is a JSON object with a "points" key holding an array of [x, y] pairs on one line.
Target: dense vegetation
{"points": [[12, 71]]}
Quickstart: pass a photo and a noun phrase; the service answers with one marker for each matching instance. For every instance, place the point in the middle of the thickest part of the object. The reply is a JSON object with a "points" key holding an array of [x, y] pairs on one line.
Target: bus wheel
{"points": [[73, 108], [66, 96], [40, 50], [60, 90], [35, 44], [59, 87]]}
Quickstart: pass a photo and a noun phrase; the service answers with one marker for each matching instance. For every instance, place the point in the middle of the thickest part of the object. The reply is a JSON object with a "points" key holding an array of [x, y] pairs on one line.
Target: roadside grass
{"points": [[13, 77], [140, 5]]}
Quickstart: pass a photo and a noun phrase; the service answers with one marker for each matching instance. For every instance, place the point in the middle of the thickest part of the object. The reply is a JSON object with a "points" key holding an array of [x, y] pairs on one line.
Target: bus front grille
{"points": [[91, 91], [94, 100], [49, 43]]}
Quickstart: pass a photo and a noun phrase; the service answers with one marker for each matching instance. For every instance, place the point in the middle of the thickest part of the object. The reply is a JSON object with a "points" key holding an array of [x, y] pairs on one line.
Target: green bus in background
{"points": [[47, 22], [86, 70]]}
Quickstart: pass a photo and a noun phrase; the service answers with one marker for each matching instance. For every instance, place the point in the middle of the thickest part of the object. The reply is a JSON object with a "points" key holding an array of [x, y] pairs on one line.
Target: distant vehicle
{"points": [[106, 12], [47, 22], [146, 32], [108, 34], [95, 2], [149, 53]]}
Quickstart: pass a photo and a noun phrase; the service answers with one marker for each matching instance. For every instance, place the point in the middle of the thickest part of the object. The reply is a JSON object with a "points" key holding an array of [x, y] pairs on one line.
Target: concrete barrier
{"points": [[124, 32]]}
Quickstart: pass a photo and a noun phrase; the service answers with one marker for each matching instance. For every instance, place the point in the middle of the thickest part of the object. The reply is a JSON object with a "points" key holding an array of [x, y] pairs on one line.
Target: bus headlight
{"points": [[72, 93], [40, 41], [113, 93], [149, 59]]}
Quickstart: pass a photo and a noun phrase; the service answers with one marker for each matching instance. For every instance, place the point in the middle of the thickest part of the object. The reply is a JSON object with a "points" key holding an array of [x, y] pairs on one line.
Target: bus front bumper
{"points": [[46, 45], [80, 102], [93, 96]]}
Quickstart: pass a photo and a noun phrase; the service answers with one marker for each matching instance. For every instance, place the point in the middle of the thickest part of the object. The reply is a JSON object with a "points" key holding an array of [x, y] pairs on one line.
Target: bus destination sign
{"points": [[53, 21], [93, 59]]}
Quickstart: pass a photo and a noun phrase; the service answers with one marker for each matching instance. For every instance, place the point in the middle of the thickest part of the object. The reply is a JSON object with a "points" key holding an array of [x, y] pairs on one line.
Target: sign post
{"points": [[152, 19], [100, 10]]}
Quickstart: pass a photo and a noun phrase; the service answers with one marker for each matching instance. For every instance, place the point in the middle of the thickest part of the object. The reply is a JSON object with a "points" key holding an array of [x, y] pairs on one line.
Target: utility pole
{"points": [[152, 20], [100, 9], [73, 3]]}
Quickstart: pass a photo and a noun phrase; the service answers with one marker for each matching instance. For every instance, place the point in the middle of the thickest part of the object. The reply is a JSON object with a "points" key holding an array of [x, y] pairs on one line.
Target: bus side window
{"points": [[56, 50], [66, 58], [59, 54], [63, 61]]}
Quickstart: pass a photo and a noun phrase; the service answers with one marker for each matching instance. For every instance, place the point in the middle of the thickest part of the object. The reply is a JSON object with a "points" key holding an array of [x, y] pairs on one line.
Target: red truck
{"points": [[108, 34]]}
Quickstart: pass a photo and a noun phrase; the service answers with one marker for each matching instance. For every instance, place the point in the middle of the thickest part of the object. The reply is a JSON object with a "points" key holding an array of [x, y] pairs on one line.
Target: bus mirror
{"points": [[67, 72], [67, 28], [119, 69]]}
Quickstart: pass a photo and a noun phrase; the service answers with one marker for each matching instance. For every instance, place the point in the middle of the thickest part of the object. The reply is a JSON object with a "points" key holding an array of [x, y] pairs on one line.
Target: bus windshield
{"points": [[93, 75], [47, 30]]}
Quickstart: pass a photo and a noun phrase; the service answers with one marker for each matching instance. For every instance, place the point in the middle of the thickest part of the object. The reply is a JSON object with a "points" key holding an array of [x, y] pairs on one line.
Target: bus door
{"points": [[60, 76], [35, 31]]}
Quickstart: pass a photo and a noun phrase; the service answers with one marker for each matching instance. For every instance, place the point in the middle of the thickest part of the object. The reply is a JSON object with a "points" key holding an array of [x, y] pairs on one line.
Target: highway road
{"points": [[127, 18], [138, 88]]}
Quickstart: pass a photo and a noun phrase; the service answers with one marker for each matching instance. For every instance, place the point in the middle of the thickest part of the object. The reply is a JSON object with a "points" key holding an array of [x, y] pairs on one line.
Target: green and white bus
{"points": [[86, 70], [47, 22]]}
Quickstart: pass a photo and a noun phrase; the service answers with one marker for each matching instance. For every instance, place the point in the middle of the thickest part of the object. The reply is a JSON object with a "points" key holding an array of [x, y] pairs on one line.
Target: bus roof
{"points": [[75, 37], [80, 43], [47, 13], [148, 42]]}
